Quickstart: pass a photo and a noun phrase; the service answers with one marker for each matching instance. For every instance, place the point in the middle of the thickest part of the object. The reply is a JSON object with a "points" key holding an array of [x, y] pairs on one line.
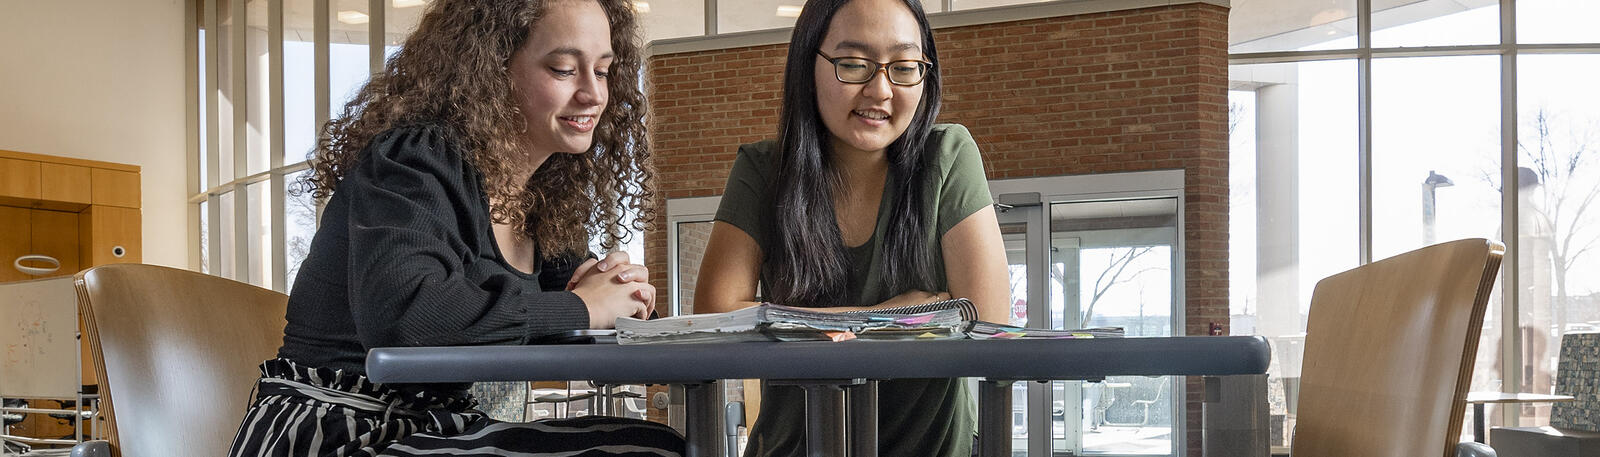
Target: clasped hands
{"points": [[612, 287]]}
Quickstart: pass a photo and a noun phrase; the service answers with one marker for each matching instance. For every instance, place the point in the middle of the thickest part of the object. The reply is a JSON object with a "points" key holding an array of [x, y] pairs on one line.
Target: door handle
{"points": [[36, 271]]}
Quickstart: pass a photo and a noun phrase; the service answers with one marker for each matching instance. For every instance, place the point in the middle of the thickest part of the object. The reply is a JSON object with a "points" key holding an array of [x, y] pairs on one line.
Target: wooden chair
{"points": [[1389, 353], [177, 353]]}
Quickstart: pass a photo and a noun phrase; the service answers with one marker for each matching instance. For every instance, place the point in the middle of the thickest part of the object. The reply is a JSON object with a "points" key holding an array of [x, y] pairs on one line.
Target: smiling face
{"points": [[867, 117], [558, 77]]}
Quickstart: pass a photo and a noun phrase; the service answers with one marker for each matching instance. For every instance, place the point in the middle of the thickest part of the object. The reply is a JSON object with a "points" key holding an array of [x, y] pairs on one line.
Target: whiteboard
{"points": [[38, 334]]}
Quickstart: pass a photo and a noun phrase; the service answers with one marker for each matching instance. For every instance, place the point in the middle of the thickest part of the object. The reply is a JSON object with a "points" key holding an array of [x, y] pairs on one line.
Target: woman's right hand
{"points": [[609, 298]]}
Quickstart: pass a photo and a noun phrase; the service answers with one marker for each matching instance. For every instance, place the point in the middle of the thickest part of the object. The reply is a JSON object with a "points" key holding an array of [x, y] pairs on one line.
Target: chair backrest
{"points": [[1578, 375], [177, 353], [1389, 352]]}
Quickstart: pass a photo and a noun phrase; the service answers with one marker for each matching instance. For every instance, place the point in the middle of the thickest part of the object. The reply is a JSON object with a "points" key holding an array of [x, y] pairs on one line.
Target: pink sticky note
{"points": [[915, 320]]}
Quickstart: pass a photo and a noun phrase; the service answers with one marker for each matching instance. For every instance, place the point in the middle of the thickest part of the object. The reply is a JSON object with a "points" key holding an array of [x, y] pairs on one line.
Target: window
{"points": [[1311, 198], [251, 227], [1558, 137]]}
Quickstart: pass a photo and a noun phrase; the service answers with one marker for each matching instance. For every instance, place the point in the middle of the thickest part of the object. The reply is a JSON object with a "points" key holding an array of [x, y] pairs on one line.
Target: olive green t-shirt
{"points": [[916, 417]]}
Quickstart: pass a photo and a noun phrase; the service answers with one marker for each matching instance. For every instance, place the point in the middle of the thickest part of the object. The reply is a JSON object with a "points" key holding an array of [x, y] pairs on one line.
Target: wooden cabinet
{"points": [[82, 213], [68, 183], [16, 240], [55, 234], [29, 231], [19, 179], [115, 188], [109, 234]]}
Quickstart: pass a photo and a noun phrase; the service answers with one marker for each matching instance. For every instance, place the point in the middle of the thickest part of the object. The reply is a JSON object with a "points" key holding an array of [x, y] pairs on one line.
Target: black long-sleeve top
{"points": [[406, 256]]}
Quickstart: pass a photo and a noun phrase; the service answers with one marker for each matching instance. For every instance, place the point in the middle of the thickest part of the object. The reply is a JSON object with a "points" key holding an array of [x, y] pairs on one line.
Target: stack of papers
{"points": [[770, 322], [948, 319]]}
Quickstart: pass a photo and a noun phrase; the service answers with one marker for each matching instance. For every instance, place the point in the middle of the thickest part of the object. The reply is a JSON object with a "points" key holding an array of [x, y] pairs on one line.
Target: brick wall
{"points": [[1121, 91]]}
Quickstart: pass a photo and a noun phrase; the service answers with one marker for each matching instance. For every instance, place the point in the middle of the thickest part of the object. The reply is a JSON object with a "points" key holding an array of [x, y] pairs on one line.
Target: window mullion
{"points": [[280, 272], [1364, 129], [1511, 346], [213, 141]]}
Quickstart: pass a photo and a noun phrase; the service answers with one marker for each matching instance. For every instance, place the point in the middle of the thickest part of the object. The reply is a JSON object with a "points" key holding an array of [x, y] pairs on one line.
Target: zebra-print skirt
{"points": [[307, 411]]}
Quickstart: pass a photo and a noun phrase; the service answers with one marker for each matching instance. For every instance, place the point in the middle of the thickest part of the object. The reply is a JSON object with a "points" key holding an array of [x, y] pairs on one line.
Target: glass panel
{"points": [[225, 95], [400, 18], [1436, 23], [692, 239], [1015, 238], [662, 19], [1557, 21], [1293, 185], [1435, 151], [299, 85], [300, 224], [205, 236], [225, 204], [1290, 25], [200, 81], [257, 124], [958, 5], [1112, 266], [745, 15], [348, 62], [1559, 172], [259, 231]]}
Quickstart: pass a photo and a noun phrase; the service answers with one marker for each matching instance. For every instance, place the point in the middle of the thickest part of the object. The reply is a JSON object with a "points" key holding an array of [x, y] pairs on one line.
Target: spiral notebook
{"points": [[947, 319], [773, 322]]}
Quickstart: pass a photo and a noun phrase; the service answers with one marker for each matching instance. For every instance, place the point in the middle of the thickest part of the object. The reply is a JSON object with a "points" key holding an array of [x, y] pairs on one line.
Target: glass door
{"points": [[1023, 230], [1112, 265], [1095, 251]]}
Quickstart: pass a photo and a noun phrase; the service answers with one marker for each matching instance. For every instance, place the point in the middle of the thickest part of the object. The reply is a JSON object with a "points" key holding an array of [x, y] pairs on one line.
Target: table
{"points": [[1479, 399], [827, 370]]}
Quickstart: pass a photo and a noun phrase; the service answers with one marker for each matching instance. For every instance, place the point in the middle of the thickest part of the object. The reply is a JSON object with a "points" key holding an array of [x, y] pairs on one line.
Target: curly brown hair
{"points": [[452, 71]]}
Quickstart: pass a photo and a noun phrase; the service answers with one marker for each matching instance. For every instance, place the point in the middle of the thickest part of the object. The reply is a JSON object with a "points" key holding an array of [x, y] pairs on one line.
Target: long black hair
{"points": [[806, 263]]}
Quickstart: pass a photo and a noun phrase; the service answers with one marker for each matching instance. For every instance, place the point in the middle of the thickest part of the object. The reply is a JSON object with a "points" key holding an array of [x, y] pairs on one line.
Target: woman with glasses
{"points": [[861, 202], [463, 184]]}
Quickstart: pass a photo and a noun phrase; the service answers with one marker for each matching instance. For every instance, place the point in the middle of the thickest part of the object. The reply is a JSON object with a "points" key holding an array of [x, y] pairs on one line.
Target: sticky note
{"points": [[915, 320]]}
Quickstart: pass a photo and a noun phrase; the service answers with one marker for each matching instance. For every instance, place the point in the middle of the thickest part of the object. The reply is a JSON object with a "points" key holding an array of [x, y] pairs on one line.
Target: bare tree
{"points": [[301, 211], [1562, 156], [1115, 273]]}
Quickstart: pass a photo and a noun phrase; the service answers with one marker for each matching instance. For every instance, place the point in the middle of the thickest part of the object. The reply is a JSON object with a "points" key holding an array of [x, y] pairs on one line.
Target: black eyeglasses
{"points": [[859, 70]]}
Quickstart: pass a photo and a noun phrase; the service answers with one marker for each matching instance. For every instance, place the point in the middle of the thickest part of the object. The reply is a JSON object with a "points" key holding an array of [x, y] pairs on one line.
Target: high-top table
{"points": [[828, 370], [1479, 399]]}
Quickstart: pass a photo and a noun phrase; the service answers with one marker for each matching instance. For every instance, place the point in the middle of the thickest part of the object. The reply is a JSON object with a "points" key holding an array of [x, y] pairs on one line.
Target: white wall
{"points": [[103, 80]]}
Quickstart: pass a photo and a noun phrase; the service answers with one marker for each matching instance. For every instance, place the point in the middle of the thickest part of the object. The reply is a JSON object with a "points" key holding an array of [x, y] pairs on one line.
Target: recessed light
{"points": [[353, 17], [788, 11], [409, 3], [641, 7]]}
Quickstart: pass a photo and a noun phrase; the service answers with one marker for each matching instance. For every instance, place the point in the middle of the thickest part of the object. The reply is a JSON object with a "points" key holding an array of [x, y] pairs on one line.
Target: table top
{"points": [[1019, 359], [1510, 397]]}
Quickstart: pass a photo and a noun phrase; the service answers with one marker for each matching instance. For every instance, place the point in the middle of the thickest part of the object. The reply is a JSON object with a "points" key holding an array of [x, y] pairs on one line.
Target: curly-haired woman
{"points": [[463, 184]]}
